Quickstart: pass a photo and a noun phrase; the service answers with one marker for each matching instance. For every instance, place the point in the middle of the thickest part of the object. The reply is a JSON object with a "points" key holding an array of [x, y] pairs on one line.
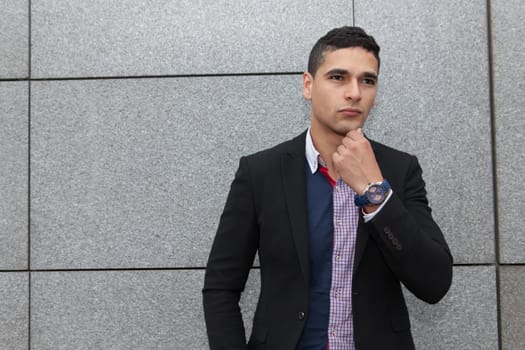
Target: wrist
{"points": [[369, 209]]}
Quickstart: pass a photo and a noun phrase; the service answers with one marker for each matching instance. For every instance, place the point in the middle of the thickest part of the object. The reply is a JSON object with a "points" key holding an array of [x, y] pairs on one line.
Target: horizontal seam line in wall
{"points": [[155, 76], [109, 269], [196, 268], [14, 79], [116, 269]]}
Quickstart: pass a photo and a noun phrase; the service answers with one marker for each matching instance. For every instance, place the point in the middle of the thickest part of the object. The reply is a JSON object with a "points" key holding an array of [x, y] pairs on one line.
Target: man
{"points": [[338, 221]]}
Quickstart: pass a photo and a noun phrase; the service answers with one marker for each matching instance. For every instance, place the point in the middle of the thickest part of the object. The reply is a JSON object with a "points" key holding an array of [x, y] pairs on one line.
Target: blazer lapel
{"points": [[294, 181], [360, 243]]}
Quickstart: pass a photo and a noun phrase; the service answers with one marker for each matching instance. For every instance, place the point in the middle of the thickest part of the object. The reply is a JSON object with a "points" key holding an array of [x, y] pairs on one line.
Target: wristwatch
{"points": [[375, 194]]}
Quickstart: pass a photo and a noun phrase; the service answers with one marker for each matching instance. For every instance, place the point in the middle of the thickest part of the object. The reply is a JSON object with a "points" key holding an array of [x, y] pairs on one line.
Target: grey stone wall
{"points": [[121, 124]]}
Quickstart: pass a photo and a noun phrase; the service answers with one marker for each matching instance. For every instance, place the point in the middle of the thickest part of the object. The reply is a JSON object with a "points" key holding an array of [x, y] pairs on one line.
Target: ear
{"points": [[308, 80]]}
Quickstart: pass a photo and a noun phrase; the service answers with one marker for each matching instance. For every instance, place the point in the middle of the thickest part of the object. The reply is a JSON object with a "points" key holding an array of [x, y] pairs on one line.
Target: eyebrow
{"points": [[341, 71], [370, 75], [337, 71]]}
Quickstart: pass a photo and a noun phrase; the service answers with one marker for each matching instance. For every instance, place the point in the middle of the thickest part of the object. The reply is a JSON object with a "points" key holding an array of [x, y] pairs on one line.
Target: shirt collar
{"points": [[312, 155]]}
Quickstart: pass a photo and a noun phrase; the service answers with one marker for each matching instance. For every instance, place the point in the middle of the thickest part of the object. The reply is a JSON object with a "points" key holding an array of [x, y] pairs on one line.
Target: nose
{"points": [[352, 91]]}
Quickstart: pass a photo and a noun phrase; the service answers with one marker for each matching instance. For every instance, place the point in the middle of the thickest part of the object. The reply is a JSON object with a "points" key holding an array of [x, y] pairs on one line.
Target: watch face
{"points": [[376, 194]]}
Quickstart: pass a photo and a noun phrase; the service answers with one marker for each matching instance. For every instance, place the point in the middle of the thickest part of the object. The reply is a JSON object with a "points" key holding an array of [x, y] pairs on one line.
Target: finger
{"points": [[336, 159], [353, 141], [356, 134], [340, 150], [348, 141]]}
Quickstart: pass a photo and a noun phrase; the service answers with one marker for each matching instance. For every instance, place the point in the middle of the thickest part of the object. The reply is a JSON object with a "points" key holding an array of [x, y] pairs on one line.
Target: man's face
{"points": [[343, 91]]}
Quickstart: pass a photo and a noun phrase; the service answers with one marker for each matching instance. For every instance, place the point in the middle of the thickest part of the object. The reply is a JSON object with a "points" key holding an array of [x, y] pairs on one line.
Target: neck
{"points": [[326, 144]]}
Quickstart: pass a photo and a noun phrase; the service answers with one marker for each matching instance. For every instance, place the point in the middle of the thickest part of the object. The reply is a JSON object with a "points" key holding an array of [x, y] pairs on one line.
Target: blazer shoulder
{"points": [[383, 151]]}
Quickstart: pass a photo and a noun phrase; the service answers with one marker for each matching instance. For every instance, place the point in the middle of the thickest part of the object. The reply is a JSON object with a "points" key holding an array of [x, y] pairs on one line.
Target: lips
{"points": [[350, 111]]}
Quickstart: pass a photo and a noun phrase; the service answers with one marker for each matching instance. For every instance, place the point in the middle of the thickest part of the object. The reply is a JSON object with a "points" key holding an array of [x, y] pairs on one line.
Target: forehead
{"points": [[353, 59]]}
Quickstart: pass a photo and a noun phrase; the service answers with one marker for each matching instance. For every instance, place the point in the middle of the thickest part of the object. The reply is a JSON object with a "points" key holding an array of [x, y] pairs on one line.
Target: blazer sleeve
{"points": [[411, 242], [231, 257]]}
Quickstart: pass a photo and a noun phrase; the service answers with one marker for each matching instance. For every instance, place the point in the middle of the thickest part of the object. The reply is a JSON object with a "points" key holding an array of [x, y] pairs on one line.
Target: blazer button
{"points": [[300, 315], [387, 230]]}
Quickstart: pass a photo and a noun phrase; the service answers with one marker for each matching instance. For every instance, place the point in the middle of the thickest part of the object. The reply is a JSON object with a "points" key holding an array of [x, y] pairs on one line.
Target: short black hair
{"points": [[340, 38]]}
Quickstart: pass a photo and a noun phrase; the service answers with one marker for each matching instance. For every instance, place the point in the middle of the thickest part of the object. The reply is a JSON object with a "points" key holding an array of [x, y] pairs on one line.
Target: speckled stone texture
{"points": [[13, 175], [466, 318], [119, 310], [136, 37], [135, 173], [434, 102], [14, 310], [512, 296], [14, 43], [508, 26]]}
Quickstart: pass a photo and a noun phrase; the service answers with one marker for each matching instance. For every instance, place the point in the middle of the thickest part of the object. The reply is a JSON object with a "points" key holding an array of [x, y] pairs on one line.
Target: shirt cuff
{"points": [[370, 216]]}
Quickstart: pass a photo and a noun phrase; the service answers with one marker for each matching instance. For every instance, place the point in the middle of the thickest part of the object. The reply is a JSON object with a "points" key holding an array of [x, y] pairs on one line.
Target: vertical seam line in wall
{"points": [[494, 166], [29, 175], [353, 12]]}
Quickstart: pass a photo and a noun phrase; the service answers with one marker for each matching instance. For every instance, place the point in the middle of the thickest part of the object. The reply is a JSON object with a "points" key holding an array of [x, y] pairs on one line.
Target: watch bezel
{"points": [[376, 193]]}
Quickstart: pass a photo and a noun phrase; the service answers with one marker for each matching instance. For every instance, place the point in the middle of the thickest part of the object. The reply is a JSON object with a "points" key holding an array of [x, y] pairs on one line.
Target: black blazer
{"points": [[266, 213]]}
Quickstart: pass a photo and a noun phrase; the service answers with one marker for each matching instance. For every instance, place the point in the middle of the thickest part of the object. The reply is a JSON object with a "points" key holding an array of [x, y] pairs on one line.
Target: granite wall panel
{"points": [[512, 295], [75, 38], [14, 310], [14, 39], [117, 310], [434, 102], [121, 310], [509, 107], [13, 175], [467, 318], [134, 173]]}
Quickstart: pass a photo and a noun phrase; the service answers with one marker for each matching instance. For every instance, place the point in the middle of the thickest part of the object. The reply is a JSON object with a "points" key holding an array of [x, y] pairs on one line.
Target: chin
{"points": [[345, 130], [342, 132]]}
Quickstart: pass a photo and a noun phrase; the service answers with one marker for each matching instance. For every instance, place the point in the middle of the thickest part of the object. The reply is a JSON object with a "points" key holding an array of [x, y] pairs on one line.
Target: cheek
{"points": [[323, 104]]}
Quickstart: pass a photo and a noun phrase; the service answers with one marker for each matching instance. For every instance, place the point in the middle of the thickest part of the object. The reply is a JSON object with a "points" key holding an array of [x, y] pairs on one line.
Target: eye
{"points": [[369, 81], [337, 77]]}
